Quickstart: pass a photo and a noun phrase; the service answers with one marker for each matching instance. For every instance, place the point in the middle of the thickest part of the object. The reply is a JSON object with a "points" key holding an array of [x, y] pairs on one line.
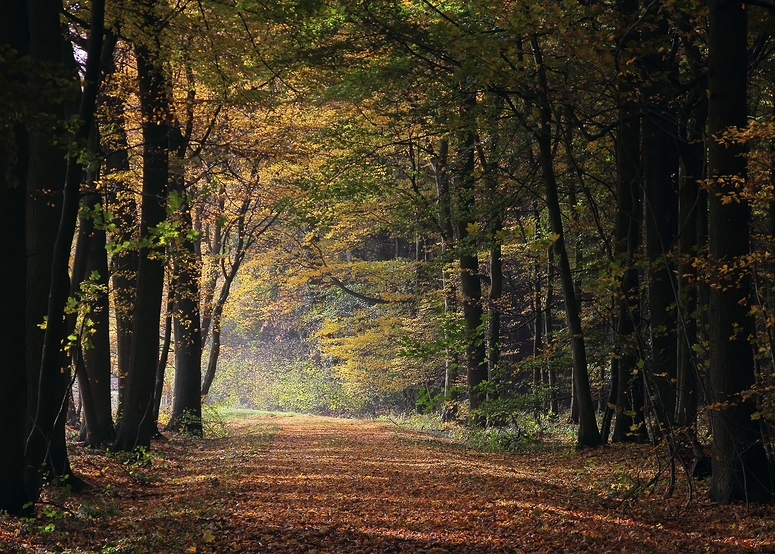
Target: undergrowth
{"points": [[524, 433]]}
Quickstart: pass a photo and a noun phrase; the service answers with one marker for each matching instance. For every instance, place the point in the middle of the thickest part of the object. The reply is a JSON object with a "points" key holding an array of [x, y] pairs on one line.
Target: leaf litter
{"points": [[315, 485]]}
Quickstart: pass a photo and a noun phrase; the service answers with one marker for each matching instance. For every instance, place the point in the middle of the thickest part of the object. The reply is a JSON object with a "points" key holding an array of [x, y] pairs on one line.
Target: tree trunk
{"points": [[660, 168], [446, 233], [187, 404], [45, 182], [215, 342], [46, 441], [538, 322], [629, 423], [137, 427], [161, 367], [468, 259], [588, 435], [123, 267], [96, 357], [13, 283], [688, 207], [554, 404], [740, 466]]}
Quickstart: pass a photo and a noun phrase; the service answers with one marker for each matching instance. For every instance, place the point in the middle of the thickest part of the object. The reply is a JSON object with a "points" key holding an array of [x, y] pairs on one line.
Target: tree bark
{"points": [[161, 367], [629, 423], [137, 427], [187, 404], [660, 168], [468, 260], [554, 403], [45, 182], [740, 466], [215, 341], [588, 434], [96, 357], [688, 207], [45, 443], [13, 283]]}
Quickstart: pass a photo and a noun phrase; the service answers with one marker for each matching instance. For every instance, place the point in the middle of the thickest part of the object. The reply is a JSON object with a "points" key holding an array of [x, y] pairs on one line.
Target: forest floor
{"points": [[321, 485]]}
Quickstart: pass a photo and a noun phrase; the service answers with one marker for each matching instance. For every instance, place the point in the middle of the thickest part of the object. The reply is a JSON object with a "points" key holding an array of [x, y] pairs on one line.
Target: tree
{"points": [[628, 389], [13, 270], [45, 444], [136, 427], [588, 434], [45, 182], [740, 466], [187, 404]]}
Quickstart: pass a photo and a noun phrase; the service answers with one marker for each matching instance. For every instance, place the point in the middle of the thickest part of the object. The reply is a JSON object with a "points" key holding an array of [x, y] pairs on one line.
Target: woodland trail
{"points": [[320, 485]]}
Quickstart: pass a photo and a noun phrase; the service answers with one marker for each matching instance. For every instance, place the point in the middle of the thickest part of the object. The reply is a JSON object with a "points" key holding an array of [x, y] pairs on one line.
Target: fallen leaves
{"points": [[323, 486]]}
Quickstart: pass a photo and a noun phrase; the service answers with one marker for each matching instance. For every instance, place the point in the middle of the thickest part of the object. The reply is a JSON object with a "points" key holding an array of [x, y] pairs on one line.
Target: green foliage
{"points": [[429, 402], [142, 465]]}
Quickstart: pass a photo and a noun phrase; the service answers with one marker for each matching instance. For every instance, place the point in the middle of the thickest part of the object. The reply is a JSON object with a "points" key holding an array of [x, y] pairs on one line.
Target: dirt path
{"points": [[316, 485]]}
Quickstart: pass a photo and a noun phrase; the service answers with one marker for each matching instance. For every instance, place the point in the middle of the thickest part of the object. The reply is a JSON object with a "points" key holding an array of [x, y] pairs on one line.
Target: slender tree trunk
{"points": [[629, 424], [123, 267], [94, 366], [470, 283], [187, 404], [540, 376], [446, 232], [215, 341], [693, 174], [578, 261], [494, 299], [137, 427], [120, 202], [554, 403], [660, 168], [588, 435], [161, 367], [740, 466]]}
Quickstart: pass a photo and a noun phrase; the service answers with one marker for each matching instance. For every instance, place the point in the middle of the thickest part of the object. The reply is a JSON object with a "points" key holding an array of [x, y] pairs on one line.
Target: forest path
{"points": [[319, 485], [313, 484]]}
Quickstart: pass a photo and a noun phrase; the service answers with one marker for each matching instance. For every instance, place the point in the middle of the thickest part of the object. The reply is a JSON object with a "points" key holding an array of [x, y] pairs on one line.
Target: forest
{"points": [[499, 216]]}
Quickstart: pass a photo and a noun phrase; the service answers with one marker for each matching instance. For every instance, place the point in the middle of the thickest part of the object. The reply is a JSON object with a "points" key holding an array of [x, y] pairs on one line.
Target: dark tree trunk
{"points": [[740, 466], [161, 368], [45, 181], [46, 441], [446, 232], [187, 403], [96, 358], [494, 298], [137, 427], [468, 259], [215, 342], [578, 261], [123, 268], [120, 202], [660, 169], [540, 376], [13, 392], [629, 423], [588, 435], [688, 207], [13, 283], [554, 404]]}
